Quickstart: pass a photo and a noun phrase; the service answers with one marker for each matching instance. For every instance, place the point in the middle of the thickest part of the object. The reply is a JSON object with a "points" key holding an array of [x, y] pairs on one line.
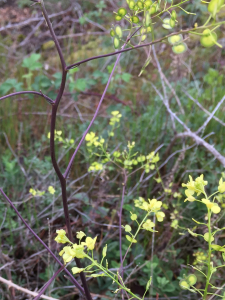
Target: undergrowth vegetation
{"points": [[138, 232]]}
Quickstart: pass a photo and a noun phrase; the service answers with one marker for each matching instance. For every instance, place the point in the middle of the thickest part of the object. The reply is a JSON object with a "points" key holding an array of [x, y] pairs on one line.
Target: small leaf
{"points": [[166, 23], [147, 20], [174, 14], [148, 283], [112, 32], [97, 275], [76, 270], [148, 4], [184, 285], [218, 248], [118, 18], [122, 12], [192, 279], [208, 39], [104, 251], [130, 239], [179, 48], [131, 4], [127, 228], [140, 5], [152, 10], [118, 31], [116, 42], [172, 23], [135, 19], [175, 39], [206, 237]]}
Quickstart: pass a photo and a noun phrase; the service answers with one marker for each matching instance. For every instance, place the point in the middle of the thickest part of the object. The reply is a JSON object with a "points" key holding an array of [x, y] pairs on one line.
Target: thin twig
{"points": [[17, 287], [40, 240]]}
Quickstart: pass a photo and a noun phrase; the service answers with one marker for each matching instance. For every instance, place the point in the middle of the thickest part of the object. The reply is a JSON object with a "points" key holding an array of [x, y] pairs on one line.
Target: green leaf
{"points": [[97, 275], [127, 228], [126, 77], [104, 251], [130, 239], [148, 283], [31, 62], [10, 84], [80, 85], [184, 284], [192, 279]]}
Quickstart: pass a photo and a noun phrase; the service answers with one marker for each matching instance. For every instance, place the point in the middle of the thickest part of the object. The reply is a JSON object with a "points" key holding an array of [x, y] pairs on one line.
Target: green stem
{"points": [[139, 228], [112, 277], [208, 20], [209, 257]]}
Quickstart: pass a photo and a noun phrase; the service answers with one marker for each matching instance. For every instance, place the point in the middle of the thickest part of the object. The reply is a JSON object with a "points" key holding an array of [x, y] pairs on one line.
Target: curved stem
{"points": [[120, 221], [40, 240], [209, 256], [98, 107], [138, 46], [62, 179], [63, 63], [48, 284], [28, 92]]}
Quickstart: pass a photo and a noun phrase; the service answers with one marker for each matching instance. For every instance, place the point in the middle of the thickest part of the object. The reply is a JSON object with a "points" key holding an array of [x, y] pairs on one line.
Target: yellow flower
{"points": [[189, 194], [95, 166], [90, 136], [115, 113], [160, 215], [154, 205], [51, 190], [141, 203], [206, 237], [133, 216], [196, 186], [61, 237], [76, 270], [33, 192], [79, 251], [68, 253], [92, 139], [115, 118], [221, 187], [148, 225], [214, 207], [89, 242], [80, 235]]}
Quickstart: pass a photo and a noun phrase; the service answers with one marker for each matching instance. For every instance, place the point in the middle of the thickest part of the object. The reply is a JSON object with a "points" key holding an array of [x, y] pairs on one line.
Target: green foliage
{"points": [[145, 121]]}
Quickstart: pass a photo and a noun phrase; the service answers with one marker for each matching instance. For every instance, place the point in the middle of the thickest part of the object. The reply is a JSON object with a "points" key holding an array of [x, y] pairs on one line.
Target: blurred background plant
{"points": [[193, 83]]}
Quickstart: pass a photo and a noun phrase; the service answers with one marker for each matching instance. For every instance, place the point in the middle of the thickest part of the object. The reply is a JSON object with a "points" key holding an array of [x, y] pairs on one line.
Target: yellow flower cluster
{"points": [[95, 166], [93, 140], [199, 257], [75, 250], [68, 252], [51, 190], [150, 206], [58, 137], [221, 187], [198, 186], [148, 225], [61, 237], [36, 192], [148, 162], [193, 187], [115, 118], [58, 134], [214, 207]]}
